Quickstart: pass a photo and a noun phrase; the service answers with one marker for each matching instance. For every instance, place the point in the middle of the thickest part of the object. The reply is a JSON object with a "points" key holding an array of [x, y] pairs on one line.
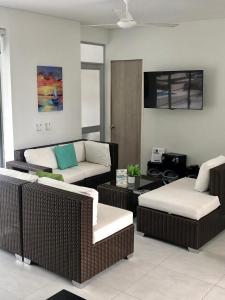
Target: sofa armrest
{"points": [[216, 184], [113, 148], [25, 167]]}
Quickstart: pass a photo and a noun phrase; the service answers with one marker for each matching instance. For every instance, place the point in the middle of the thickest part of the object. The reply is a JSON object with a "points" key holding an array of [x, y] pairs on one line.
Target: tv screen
{"points": [[174, 89]]}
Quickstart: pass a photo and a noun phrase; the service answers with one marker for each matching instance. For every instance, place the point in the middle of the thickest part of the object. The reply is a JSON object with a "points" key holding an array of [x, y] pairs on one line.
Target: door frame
{"points": [[99, 67], [2, 154]]}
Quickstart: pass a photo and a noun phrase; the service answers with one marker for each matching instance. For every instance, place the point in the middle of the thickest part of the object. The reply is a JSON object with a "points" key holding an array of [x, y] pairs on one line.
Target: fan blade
{"points": [[157, 25], [102, 25]]}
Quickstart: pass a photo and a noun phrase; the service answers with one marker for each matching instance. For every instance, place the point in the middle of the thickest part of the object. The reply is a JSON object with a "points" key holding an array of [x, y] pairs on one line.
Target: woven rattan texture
{"points": [[10, 214], [178, 230], [115, 196], [57, 232]]}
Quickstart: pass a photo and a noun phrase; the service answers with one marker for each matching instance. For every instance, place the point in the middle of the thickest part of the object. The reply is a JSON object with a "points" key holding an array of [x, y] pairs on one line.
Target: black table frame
{"points": [[125, 198]]}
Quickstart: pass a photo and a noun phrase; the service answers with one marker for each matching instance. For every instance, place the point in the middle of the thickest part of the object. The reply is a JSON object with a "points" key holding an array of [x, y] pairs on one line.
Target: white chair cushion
{"points": [[110, 220], [202, 182], [18, 175], [91, 169], [80, 151], [74, 189], [71, 175], [82, 171], [42, 157], [97, 153], [180, 198]]}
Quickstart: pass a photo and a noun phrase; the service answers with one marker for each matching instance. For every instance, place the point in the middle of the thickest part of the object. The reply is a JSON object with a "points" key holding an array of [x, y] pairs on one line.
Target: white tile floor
{"points": [[156, 271]]}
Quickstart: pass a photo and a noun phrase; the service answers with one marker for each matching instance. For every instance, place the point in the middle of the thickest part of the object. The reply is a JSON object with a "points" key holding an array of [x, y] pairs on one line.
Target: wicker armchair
{"points": [[58, 234], [10, 215]]}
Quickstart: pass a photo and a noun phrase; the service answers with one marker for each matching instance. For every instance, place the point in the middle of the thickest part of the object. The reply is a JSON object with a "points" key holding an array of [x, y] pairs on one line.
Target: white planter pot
{"points": [[131, 180]]}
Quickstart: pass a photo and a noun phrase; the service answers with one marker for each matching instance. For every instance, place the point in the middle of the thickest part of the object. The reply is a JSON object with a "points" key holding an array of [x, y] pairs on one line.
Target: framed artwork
{"points": [[50, 88]]}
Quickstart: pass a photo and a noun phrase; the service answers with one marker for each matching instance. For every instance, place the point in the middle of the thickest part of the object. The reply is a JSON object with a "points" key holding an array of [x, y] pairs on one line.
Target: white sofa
{"points": [[97, 162], [93, 159]]}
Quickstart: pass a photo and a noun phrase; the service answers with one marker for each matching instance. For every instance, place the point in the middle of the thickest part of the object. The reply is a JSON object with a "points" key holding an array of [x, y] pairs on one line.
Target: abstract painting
{"points": [[50, 88]]}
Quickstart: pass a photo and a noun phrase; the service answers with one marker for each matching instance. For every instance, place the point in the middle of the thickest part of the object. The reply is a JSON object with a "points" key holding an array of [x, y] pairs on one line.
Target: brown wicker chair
{"points": [[10, 215], [58, 232], [182, 231], [19, 163]]}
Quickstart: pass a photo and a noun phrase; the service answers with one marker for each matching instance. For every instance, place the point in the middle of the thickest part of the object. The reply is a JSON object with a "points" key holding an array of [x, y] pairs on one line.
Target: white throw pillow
{"points": [[202, 182], [18, 175], [97, 153], [41, 156], [74, 189], [80, 151]]}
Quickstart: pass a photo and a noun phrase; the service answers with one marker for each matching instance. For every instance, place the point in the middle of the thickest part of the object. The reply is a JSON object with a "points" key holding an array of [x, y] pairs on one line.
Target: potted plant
{"points": [[133, 171]]}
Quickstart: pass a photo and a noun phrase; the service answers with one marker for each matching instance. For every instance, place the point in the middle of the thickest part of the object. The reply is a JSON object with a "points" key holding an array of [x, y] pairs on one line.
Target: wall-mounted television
{"points": [[174, 89]]}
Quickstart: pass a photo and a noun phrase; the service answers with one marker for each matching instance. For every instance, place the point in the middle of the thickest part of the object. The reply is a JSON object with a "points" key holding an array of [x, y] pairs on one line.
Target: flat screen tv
{"points": [[174, 89]]}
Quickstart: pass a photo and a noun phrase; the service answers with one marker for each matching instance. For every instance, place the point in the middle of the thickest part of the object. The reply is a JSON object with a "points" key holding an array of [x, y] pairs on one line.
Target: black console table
{"points": [[173, 165]]}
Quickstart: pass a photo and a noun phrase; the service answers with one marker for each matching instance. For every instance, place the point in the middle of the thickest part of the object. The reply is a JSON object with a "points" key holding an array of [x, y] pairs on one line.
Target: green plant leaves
{"points": [[133, 170]]}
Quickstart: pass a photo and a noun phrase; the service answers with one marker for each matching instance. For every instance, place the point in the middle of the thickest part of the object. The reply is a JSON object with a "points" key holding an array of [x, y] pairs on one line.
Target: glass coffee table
{"points": [[126, 198]]}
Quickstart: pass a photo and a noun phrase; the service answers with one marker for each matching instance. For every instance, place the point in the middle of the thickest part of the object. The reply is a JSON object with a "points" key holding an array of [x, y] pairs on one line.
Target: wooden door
{"points": [[126, 103]]}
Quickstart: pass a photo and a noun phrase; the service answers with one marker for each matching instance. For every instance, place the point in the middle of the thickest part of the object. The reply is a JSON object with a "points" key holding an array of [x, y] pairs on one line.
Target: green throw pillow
{"points": [[65, 156], [50, 175]]}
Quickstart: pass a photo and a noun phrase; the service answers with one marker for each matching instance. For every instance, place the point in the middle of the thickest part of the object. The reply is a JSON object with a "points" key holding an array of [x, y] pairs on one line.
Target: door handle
{"points": [[112, 126]]}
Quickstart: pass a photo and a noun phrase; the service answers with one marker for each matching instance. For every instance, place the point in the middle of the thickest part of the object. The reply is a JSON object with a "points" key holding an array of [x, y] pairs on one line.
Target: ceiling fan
{"points": [[126, 20]]}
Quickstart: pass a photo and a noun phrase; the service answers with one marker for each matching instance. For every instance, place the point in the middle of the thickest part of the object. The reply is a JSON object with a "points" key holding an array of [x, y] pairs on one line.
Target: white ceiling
{"points": [[101, 11]]}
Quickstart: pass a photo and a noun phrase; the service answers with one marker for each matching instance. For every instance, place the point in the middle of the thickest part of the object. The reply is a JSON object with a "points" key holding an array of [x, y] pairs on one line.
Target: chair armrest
{"points": [[114, 148], [216, 183], [25, 167]]}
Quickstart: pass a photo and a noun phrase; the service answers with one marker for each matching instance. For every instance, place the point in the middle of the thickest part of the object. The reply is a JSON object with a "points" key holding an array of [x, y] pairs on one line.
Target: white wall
{"points": [[7, 121], [35, 39], [195, 45], [94, 35]]}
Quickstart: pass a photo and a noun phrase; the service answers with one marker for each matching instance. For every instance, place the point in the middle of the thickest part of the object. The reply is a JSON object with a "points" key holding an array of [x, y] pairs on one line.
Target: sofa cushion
{"points": [[110, 220], [97, 153], [65, 156], [74, 189], [82, 171], [180, 198], [41, 156], [19, 175], [71, 175], [91, 169], [80, 151], [202, 182]]}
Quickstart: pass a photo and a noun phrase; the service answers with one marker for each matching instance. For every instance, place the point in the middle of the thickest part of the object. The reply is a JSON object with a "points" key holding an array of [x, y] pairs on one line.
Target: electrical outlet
{"points": [[48, 126], [39, 127]]}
